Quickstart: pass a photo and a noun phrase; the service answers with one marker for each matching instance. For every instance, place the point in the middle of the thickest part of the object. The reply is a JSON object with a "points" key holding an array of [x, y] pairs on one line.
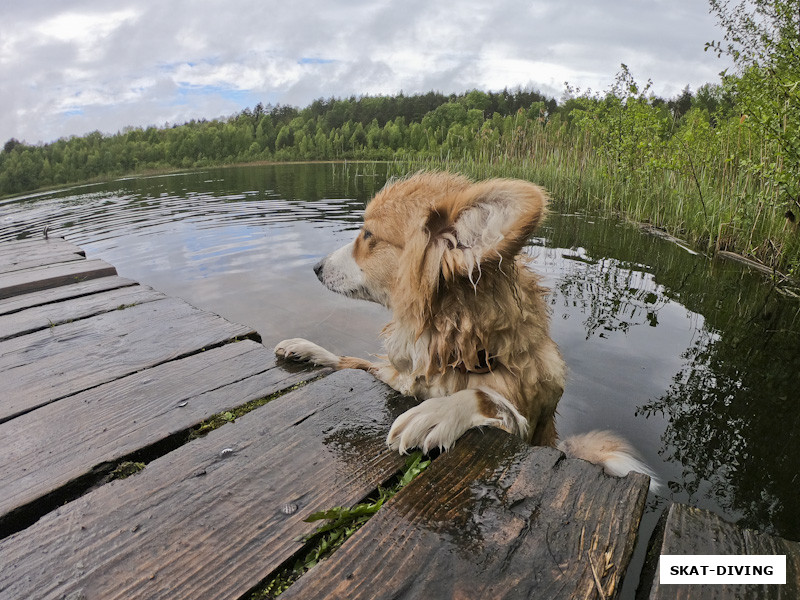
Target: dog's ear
{"points": [[488, 222], [478, 224]]}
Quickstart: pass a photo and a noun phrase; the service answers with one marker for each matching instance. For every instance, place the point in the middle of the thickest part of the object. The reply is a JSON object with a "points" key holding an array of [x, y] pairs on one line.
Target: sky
{"points": [[69, 67]]}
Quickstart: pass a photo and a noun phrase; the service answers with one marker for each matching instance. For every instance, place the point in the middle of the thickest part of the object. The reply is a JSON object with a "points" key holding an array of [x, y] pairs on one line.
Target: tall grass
{"points": [[696, 182]]}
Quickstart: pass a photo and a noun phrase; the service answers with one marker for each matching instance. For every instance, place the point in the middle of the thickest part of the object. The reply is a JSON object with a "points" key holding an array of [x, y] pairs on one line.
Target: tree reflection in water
{"points": [[732, 410]]}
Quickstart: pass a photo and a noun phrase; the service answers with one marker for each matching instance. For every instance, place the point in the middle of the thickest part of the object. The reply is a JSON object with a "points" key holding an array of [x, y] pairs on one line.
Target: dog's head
{"points": [[429, 230]]}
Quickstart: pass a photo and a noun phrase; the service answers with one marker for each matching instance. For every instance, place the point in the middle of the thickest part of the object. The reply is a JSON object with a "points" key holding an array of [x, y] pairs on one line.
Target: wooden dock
{"points": [[99, 371]]}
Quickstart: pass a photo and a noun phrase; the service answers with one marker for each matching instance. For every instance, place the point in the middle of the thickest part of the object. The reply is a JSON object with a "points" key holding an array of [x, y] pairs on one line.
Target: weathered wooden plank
{"points": [[27, 262], [41, 317], [40, 254], [11, 251], [42, 278], [44, 366], [492, 518], [54, 447], [64, 292], [207, 521], [688, 530]]}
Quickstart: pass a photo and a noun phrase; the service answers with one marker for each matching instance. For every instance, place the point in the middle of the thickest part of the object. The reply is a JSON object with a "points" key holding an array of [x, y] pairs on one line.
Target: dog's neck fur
{"points": [[486, 364], [466, 322]]}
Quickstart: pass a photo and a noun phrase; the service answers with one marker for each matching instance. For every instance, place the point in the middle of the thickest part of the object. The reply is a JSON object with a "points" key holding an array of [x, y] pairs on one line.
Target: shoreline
{"points": [[791, 287]]}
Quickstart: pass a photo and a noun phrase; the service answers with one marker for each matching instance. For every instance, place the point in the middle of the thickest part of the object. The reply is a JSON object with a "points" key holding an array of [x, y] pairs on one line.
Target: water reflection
{"points": [[733, 413], [209, 199], [240, 242], [695, 362], [730, 408], [613, 296]]}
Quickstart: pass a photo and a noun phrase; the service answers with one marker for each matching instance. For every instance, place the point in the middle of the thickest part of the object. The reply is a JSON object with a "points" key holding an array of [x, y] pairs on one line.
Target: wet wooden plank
{"points": [[206, 521], [56, 446], [43, 278], [688, 530], [64, 292], [492, 518], [41, 317], [44, 366]]}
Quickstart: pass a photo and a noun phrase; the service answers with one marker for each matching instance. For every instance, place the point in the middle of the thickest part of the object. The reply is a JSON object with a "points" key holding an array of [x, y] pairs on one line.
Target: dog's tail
{"points": [[607, 449]]}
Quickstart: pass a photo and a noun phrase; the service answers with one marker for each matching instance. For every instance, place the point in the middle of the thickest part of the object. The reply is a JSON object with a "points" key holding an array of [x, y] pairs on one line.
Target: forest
{"points": [[718, 166], [369, 128]]}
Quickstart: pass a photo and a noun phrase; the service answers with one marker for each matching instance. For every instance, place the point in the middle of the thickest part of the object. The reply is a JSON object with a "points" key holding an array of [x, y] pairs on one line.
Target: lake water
{"points": [[695, 361]]}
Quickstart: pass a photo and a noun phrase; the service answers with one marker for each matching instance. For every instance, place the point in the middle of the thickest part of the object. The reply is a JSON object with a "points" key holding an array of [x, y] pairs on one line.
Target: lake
{"points": [[695, 361]]}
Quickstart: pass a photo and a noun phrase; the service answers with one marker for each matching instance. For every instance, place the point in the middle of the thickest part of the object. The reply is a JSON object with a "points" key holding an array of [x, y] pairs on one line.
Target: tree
{"points": [[714, 98], [680, 105], [285, 138], [359, 138], [11, 144], [477, 100], [763, 39]]}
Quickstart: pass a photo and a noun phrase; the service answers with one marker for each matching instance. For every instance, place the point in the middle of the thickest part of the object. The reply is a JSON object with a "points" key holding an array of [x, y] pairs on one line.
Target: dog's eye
{"points": [[367, 234]]}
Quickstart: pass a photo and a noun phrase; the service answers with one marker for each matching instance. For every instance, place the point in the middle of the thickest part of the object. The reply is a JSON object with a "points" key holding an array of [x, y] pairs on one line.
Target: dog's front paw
{"points": [[305, 351], [437, 423]]}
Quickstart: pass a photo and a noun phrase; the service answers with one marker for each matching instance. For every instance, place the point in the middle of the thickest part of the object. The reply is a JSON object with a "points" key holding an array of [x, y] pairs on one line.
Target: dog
{"points": [[469, 332]]}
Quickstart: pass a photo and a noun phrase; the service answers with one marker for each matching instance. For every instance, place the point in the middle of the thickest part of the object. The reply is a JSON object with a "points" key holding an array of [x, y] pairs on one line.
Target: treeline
{"points": [[354, 128], [370, 128]]}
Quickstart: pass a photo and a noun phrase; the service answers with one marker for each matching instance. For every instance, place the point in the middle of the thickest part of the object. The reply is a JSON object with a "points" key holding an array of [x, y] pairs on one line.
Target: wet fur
{"points": [[469, 333]]}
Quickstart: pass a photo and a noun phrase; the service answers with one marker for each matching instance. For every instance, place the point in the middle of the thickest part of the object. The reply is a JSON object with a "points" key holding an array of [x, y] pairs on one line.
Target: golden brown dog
{"points": [[469, 333]]}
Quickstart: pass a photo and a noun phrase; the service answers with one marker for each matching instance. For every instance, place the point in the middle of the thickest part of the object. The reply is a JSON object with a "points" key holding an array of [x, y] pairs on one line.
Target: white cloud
{"points": [[85, 29]]}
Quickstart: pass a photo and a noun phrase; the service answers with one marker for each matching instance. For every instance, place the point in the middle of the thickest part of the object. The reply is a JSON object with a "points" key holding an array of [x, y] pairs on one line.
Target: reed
{"points": [[697, 184]]}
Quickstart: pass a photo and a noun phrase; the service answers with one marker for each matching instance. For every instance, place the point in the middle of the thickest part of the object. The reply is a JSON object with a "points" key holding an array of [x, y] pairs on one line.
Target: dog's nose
{"points": [[318, 269]]}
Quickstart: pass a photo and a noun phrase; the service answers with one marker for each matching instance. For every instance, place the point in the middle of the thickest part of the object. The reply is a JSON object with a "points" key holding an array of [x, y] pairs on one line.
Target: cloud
{"points": [[84, 29], [74, 67]]}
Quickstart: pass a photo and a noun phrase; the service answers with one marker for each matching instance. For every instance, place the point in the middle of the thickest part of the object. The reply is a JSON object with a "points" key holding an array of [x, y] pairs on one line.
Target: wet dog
{"points": [[469, 333]]}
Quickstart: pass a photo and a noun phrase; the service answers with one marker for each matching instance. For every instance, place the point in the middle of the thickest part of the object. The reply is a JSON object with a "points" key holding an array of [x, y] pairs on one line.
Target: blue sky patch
{"points": [[187, 93], [310, 60]]}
